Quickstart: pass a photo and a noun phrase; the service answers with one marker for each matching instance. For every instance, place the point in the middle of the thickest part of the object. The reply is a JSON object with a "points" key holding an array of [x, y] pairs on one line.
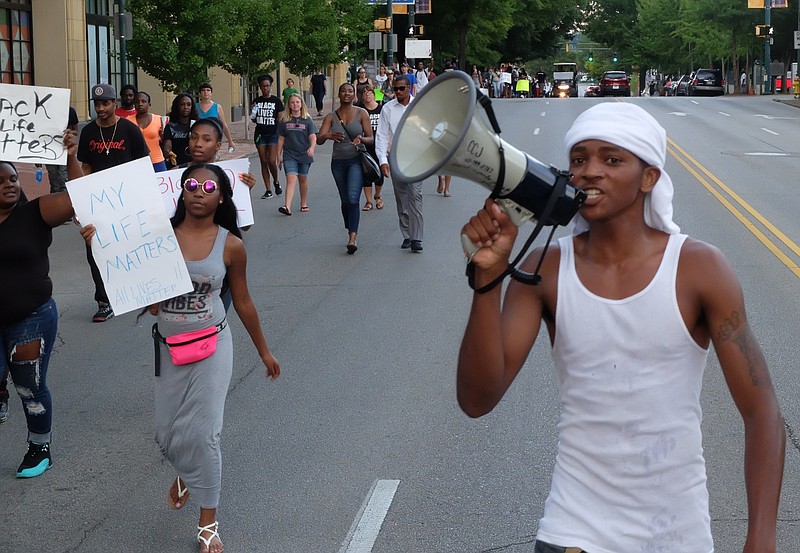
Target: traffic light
{"points": [[416, 30], [615, 59], [764, 31], [591, 55], [383, 24]]}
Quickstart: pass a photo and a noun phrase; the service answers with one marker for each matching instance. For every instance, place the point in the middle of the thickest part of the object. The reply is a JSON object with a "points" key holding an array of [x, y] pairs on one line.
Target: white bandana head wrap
{"points": [[629, 126]]}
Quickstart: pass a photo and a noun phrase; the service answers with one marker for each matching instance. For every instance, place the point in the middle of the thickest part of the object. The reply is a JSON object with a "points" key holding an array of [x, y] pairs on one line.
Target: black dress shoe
{"points": [[406, 244], [416, 245]]}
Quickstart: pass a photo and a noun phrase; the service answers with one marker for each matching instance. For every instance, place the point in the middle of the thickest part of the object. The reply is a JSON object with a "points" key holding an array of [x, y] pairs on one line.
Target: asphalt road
{"points": [[360, 446]]}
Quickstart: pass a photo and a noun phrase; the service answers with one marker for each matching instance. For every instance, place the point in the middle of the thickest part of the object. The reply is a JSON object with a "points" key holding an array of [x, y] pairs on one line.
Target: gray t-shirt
{"points": [[296, 138]]}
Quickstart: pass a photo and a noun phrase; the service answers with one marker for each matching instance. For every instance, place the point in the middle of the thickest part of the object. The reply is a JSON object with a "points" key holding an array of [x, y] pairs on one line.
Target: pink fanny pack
{"points": [[191, 347]]}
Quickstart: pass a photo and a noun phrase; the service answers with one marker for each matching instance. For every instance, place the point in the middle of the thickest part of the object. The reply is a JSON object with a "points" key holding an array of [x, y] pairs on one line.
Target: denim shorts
{"points": [[266, 140], [293, 167]]}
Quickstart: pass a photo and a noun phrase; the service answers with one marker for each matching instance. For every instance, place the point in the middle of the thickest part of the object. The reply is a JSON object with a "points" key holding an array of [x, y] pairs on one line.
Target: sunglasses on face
{"points": [[208, 187], [400, 88]]}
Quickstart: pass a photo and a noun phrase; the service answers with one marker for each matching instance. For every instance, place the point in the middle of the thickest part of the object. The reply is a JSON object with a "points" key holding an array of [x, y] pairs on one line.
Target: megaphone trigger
{"points": [[469, 248]]}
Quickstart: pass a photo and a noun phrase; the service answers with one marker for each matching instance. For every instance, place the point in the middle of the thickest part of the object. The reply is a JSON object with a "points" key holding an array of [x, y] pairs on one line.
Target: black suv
{"points": [[706, 82], [615, 83]]}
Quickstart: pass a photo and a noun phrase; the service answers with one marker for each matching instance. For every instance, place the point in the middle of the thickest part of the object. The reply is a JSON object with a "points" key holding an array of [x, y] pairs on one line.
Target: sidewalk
{"points": [[243, 140]]}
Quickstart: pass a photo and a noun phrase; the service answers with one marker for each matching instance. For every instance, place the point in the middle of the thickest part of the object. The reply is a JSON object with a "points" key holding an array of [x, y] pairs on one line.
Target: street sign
{"points": [[418, 49]]}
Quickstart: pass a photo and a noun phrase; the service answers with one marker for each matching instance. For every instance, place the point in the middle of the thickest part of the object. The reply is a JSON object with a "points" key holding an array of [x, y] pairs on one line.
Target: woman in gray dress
{"points": [[190, 398]]}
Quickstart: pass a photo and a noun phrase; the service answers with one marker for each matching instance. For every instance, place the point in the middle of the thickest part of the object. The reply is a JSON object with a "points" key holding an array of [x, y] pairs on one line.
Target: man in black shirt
{"points": [[106, 142]]}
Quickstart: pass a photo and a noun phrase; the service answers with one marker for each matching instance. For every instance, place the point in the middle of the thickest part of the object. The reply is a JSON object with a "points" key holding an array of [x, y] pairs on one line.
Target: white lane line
{"points": [[368, 522], [769, 131], [696, 102], [767, 154], [543, 113], [536, 130], [725, 114]]}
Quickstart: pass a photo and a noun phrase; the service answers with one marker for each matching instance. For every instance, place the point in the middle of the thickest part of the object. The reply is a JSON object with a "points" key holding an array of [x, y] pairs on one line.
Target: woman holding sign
{"points": [[192, 376], [28, 315]]}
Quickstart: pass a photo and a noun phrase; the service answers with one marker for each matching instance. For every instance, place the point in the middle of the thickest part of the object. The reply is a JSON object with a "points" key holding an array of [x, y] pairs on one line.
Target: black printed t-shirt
{"points": [[264, 114], [179, 134], [24, 266], [124, 144]]}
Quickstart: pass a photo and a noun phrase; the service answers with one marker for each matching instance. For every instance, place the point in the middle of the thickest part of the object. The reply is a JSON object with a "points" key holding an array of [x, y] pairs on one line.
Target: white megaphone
{"points": [[440, 133]]}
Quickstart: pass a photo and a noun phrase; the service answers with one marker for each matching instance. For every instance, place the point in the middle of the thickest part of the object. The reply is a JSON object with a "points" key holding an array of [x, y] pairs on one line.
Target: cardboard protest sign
{"points": [[169, 184], [134, 246], [32, 123], [505, 77]]}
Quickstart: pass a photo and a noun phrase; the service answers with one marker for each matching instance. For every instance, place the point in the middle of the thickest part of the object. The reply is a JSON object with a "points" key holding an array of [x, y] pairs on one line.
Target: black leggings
{"points": [[318, 96], [99, 287]]}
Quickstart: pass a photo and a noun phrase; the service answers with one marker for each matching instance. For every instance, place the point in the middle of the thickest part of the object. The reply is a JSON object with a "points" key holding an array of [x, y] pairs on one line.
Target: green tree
{"points": [[613, 23], [176, 41], [540, 27], [321, 31], [263, 37], [658, 43], [466, 31]]}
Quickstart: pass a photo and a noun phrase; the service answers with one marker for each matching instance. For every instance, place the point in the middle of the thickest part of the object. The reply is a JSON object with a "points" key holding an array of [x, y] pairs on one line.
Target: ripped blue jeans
{"points": [[30, 375]]}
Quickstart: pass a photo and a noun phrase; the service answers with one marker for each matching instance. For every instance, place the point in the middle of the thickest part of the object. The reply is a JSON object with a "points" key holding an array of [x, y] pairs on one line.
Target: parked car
{"points": [[706, 82], [615, 83], [592, 91], [679, 87]]}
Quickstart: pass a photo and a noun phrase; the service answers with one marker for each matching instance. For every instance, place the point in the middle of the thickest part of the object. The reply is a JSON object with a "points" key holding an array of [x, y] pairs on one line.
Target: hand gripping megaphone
{"points": [[440, 133]]}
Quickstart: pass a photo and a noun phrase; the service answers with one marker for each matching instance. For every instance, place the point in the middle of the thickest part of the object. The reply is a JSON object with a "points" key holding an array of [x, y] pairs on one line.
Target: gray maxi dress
{"points": [[190, 399]]}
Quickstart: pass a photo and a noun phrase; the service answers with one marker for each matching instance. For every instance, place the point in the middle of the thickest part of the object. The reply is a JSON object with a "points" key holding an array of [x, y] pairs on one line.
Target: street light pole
{"points": [[123, 52], [389, 45], [767, 53]]}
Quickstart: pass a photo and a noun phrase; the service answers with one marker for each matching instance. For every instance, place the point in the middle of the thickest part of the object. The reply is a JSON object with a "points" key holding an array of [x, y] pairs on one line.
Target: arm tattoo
{"points": [[736, 330]]}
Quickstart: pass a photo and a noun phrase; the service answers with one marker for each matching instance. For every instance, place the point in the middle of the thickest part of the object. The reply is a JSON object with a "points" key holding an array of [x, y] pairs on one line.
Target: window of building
{"points": [[16, 42], [102, 47]]}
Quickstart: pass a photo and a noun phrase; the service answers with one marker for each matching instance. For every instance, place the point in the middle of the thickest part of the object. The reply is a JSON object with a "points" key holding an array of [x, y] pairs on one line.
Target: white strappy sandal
{"points": [[182, 491], [213, 528]]}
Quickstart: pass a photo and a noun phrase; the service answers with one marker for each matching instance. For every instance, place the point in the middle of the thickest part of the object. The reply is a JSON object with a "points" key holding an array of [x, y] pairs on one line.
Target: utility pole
{"points": [[389, 45], [123, 52], [411, 13], [767, 53]]}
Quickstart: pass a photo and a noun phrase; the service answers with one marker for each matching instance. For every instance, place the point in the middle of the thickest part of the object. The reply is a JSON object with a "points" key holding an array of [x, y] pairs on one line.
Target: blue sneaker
{"points": [[36, 461]]}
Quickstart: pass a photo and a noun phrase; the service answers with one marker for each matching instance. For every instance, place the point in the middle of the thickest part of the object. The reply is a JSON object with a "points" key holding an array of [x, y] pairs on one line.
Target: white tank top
{"points": [[629, 473]]}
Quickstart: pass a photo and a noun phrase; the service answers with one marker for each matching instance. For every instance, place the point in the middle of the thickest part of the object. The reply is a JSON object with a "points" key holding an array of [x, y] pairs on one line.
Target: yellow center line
{"points": [[674, 150]]}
